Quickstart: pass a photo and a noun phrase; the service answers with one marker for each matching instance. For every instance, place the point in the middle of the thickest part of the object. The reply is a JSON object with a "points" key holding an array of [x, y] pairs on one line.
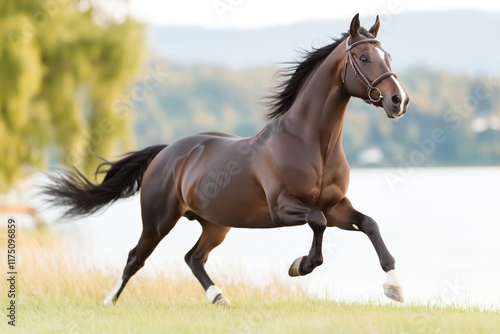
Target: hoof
{"points": [[215, 296], [394, 293], [221, 300], [109, 300], [294, 268], [393, 289]]}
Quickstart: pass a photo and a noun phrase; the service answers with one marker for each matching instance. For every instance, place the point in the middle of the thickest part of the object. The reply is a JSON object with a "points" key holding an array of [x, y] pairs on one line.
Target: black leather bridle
{"points": [[370, 86]]}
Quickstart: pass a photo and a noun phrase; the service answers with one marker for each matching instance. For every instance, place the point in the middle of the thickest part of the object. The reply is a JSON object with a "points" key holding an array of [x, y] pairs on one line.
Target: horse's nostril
{"points": [[396, 99], [407, 101]]}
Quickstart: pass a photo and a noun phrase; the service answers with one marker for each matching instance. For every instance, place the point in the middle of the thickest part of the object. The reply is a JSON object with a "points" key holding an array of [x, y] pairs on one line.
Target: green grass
{"points": [[55, 296], [246, 316]]}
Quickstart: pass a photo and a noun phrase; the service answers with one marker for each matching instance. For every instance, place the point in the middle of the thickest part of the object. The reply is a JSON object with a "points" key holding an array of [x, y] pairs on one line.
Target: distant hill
{"points": [[457, 41], [444, 59]]}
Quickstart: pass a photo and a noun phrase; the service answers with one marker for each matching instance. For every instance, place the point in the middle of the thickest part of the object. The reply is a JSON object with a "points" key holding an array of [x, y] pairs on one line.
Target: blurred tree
{"points": [[63, 68]]}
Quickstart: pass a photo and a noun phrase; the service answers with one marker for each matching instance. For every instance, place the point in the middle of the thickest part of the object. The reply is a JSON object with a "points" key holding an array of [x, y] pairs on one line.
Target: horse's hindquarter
{"points": [[218, 184]]}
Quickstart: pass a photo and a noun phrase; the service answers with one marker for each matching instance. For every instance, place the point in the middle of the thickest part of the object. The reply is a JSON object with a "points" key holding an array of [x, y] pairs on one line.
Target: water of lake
{"points": [[442, 225]]}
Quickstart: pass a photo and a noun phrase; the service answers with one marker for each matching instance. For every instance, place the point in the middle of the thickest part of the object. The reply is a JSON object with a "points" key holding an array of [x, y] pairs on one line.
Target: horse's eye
{"points": [[363, 59]]}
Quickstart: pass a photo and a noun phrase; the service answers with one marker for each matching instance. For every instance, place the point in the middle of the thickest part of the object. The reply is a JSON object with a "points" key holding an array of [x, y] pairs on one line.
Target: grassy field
{"points": [[57, 296]]}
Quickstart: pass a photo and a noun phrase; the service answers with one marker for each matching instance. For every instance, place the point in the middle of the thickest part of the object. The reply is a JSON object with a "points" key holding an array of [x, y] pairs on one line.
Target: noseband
{"points": [[370, 86]]}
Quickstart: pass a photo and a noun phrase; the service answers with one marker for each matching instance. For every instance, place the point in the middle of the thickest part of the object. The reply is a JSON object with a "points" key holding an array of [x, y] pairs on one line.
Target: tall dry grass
{"points": [[45, 270], [57, 294]]}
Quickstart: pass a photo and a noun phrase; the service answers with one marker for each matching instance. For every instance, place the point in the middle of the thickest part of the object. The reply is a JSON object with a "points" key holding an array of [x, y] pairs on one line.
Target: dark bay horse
{"points": [[293, 172]]}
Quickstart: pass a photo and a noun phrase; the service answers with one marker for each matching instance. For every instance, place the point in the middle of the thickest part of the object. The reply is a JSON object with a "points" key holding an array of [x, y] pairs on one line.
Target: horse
{"points": [[293, 172]]}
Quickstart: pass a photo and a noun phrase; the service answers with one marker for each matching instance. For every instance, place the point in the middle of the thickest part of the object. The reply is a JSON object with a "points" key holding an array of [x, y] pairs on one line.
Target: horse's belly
{"points": [[237, 209], [226, 193]]}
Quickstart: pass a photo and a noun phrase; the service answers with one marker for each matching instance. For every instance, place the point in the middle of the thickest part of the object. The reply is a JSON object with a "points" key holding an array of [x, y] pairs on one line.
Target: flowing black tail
{"points": [[80, 197]]}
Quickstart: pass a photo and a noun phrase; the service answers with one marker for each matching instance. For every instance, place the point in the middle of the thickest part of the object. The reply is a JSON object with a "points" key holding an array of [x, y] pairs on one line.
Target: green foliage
{"points": [[201, 98], [62, 70]]}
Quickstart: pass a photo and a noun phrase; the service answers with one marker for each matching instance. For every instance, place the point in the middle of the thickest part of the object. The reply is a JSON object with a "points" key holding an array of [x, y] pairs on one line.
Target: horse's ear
{"points": [[376, 26], [354, 30]]}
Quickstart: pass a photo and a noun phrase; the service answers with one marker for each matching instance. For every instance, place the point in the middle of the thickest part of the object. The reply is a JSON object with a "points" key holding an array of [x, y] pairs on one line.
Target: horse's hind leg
{"points": [[136, 258], [211, 236], [151, 236]]}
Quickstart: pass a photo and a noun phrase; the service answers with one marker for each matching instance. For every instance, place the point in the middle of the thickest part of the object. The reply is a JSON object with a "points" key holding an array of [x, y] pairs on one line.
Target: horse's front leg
{"points": [[293, 212], [344, 216]]}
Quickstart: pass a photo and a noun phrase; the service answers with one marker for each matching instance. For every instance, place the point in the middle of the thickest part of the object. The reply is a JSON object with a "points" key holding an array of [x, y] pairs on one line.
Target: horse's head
{"points": [[367, 73]]}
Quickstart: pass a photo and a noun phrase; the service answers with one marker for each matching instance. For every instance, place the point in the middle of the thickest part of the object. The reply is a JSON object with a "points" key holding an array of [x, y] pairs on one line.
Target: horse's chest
{"points": [[331, 195], [334, 184], [322, 188]]}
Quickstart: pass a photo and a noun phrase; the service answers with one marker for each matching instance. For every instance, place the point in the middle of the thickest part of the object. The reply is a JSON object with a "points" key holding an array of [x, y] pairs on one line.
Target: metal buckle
{"points": [[380, 96]]}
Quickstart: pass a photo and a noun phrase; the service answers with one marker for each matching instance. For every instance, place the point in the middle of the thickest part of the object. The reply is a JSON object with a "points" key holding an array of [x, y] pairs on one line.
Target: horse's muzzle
{"points": [[395, 106]]}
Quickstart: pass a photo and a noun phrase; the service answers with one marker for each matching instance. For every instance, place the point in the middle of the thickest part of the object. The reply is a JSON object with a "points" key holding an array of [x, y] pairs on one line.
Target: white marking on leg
{"points": [[213, 292], [393, 288], [355, 226], [392, 278], [111, 298]]}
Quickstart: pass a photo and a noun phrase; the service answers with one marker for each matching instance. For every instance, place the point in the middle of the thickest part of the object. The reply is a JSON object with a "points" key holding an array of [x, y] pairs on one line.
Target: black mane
{"points": [[294, 76]]}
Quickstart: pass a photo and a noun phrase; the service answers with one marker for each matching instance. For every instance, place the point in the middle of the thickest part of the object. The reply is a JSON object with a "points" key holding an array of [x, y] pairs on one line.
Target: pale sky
{"points": [[249, 14]]}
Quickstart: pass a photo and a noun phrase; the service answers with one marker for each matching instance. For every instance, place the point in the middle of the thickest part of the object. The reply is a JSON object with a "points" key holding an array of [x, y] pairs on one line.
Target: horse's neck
{"points": [[320, 106]]}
